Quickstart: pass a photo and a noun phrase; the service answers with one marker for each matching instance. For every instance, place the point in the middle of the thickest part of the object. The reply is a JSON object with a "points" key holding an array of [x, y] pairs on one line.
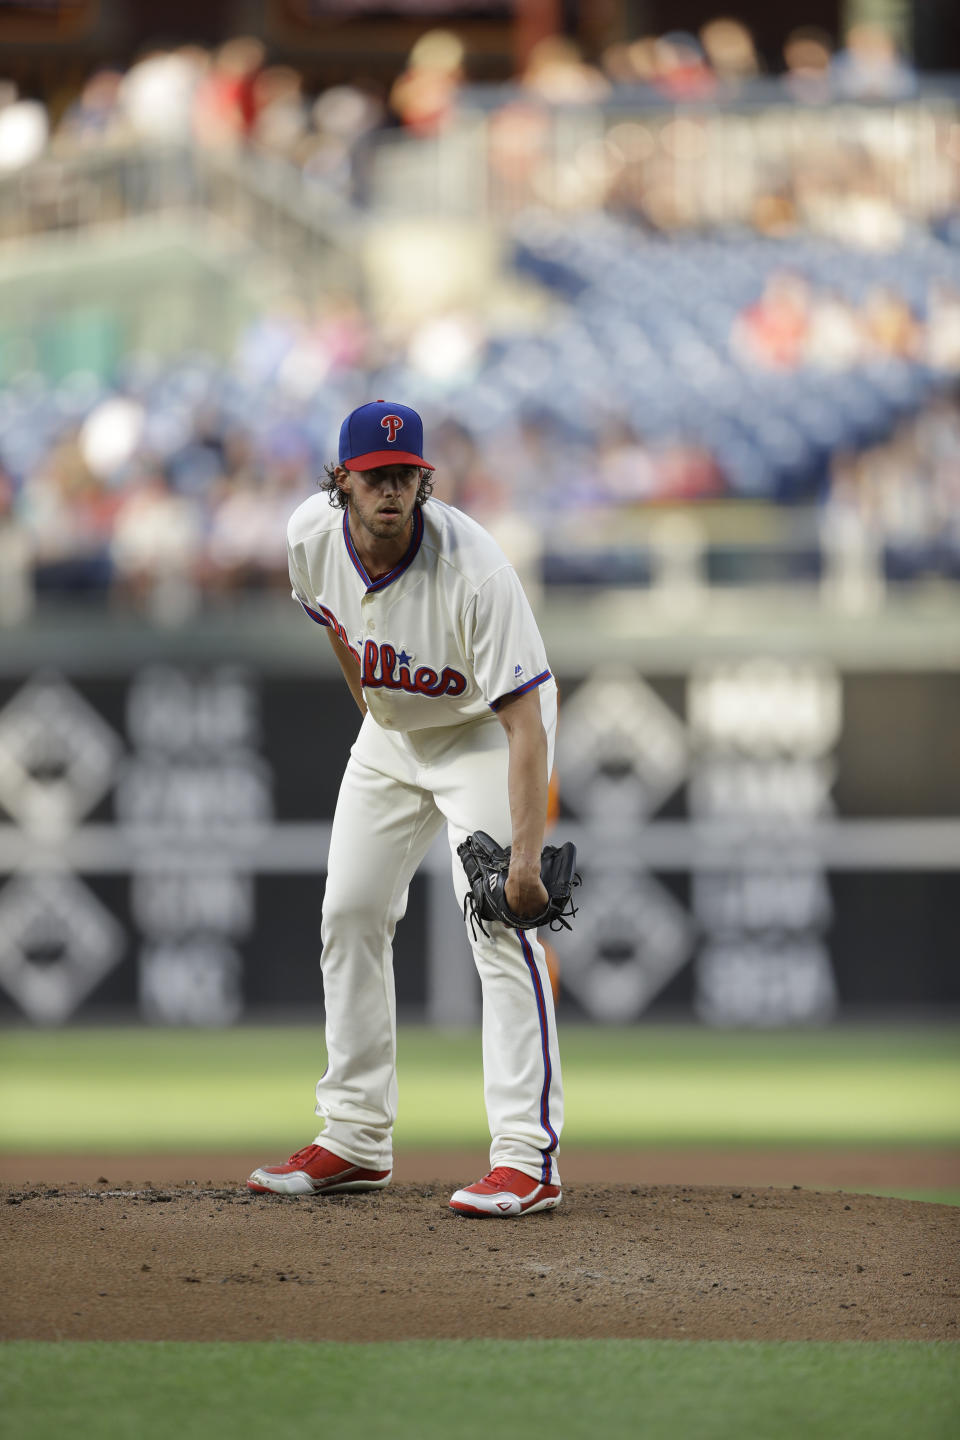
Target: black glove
{"points": [[487, 864]]}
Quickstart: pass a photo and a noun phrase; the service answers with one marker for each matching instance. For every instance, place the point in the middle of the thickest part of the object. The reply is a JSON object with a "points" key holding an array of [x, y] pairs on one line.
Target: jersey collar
{"points": [[399, 568]]}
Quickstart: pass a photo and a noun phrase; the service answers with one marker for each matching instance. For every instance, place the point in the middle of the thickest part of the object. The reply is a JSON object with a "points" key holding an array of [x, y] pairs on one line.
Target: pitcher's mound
{"points": [[690, 1262]]}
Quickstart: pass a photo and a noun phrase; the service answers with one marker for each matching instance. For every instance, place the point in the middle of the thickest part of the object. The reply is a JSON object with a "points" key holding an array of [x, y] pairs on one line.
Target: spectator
{"points": [[518, 138], [889, 325], [627, 472], [24, 129], [225, 110], [195, 468], [110, 436], [682, 71], [156, 546], [280, 114], [772, 333], [96, 116], [729, 49], [942, 348], [687, 471], [446, 349], [268, 340], [348, 111], [904, 495], [334, 151], [617, 64], [870, 67], [642, 56], [244, 547], [807, 55], [937, 435], [423, 97], [16, 560], [557, 73], [834, 338], [68, 514], [158, 94]]}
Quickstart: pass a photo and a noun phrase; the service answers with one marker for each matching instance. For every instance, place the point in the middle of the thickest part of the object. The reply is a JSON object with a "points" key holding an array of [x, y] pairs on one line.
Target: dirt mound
{"points": [[829, 1167], [201, 1263]]}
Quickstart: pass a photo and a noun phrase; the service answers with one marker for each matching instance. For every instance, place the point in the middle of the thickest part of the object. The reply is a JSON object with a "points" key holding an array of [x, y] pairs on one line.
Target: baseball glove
{"points": [[487, 864]]}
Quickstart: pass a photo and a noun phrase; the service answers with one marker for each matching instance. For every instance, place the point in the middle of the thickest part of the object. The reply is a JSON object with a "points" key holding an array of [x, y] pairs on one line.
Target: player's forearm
{"points": [[352, 677], [527, 790], [351, 670]]}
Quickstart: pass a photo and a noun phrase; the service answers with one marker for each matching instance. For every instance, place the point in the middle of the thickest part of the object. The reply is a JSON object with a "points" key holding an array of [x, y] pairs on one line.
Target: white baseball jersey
{"points": [[443, 637]]}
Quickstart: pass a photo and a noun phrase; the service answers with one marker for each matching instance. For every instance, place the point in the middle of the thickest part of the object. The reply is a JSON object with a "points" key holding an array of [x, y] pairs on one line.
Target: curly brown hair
{"points": [[338, 499]]}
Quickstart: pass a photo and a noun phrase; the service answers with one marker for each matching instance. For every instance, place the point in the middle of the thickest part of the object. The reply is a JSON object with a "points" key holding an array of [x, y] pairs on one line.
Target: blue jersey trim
{"points": [[398, 570], [547, 1169], [313, 614], [522, 689]]}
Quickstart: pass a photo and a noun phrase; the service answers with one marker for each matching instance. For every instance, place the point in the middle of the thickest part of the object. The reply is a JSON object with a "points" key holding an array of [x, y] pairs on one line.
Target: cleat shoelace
{"points": [[500, 1179], [303, 1156]]}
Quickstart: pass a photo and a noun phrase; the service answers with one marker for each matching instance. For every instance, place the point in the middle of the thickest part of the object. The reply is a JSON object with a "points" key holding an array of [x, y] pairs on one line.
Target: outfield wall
{"points": [[762, 841]]}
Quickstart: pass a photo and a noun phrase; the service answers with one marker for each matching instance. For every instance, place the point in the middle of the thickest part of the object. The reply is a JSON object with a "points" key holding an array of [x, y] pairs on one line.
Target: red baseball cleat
{"points": [[316, 1171], [506, 1193]]}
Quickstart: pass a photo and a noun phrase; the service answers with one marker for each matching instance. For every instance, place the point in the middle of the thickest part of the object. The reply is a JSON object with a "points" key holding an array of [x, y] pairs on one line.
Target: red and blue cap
{"points": [[382, 433]]}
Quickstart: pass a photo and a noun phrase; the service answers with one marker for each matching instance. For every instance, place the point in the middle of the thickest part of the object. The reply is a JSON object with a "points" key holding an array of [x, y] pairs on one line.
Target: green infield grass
{"points": [[435, 1390], [930, 1197], [149, 1089]]}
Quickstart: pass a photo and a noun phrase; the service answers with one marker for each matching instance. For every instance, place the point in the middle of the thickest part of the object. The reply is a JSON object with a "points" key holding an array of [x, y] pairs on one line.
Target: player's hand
{"points": [[519, 890], [525, 892]]}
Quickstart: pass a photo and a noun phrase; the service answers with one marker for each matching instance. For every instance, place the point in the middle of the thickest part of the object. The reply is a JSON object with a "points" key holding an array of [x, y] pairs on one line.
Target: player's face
{"points": [[382, 500]]}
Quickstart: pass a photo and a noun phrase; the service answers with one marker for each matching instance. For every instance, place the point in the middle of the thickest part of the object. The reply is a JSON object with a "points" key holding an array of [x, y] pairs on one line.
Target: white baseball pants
{"points": [[396, 793]]}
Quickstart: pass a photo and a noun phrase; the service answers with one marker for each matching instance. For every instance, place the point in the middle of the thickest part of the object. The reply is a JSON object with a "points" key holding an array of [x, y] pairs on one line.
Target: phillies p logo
{"points": [[391, 423]]}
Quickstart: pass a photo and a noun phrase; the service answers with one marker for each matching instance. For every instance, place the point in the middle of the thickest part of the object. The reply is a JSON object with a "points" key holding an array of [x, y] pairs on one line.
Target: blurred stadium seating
{"points": [[709, 286]]}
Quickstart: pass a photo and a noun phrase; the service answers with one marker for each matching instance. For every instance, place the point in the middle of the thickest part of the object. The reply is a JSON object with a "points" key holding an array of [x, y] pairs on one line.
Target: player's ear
{"points": [[342, 476]]}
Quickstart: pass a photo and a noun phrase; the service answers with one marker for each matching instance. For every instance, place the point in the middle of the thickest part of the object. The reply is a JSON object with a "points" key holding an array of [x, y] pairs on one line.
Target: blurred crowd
{"points": [[663, 372], [721, 62], [234, 95], [901, 500], [689, 136], [172, 487], [730, 363], [794, 324]]}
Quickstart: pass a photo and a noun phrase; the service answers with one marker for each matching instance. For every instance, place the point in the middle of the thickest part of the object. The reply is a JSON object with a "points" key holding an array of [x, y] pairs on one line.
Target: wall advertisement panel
{"points": [[763, 843]]}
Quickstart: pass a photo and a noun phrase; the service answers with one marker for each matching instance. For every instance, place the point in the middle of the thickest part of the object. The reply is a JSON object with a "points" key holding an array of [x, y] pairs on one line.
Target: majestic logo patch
{"points": [[391, 423]]}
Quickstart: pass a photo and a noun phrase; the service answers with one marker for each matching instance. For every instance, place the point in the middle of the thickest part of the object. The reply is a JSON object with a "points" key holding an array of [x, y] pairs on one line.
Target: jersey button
{"points": [[371, 625]]}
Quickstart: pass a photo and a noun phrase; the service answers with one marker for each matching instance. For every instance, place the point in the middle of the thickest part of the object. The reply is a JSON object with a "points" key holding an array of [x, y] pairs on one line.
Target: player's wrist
{"points": [[524, 862], [525, 882]]}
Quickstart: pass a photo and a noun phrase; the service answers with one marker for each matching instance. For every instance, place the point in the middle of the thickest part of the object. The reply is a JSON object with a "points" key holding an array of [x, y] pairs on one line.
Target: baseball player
{"points": [[441, 652]]}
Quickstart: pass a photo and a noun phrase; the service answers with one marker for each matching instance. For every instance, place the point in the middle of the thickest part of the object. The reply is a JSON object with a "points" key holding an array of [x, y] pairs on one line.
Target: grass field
{"points": [[116, 1090], [435, 1390]]}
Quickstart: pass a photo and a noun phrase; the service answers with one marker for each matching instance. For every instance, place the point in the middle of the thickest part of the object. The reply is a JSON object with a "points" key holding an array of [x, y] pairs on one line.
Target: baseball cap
{"points": [[382, 433]]}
